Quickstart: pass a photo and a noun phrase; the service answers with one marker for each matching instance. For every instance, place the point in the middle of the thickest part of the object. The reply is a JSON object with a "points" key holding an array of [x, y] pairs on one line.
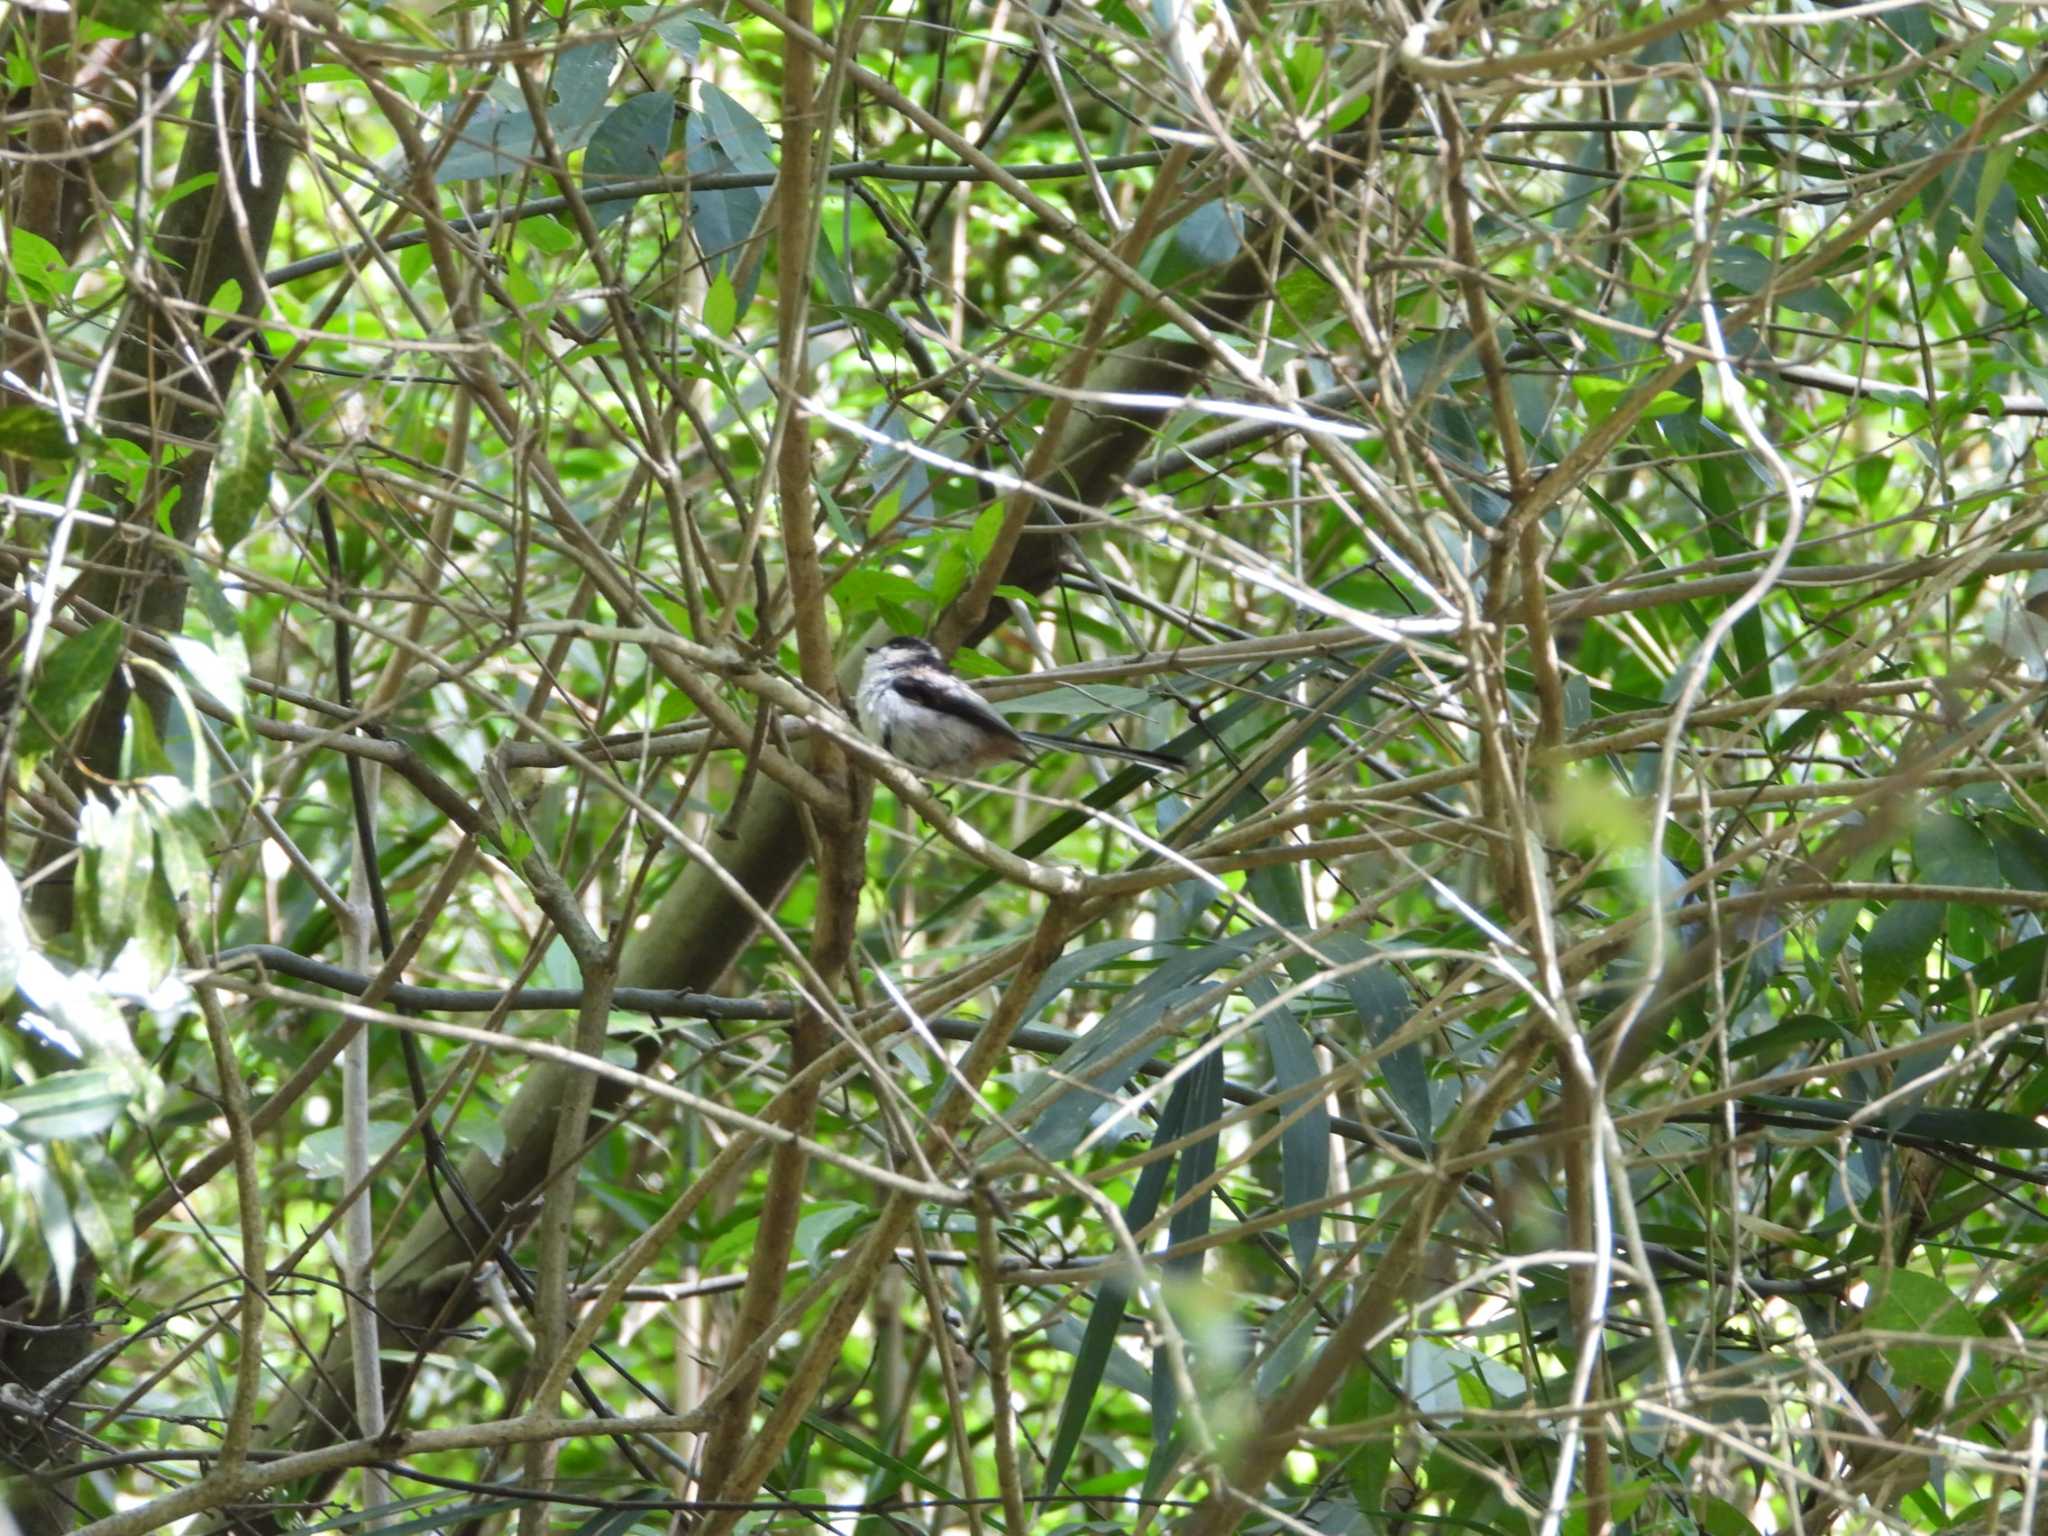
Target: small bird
{"points": [[912, 705]]}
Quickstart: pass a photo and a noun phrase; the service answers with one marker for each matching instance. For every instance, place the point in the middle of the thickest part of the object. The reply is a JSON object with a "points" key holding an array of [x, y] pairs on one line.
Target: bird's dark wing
{"points": [[961, 704]]}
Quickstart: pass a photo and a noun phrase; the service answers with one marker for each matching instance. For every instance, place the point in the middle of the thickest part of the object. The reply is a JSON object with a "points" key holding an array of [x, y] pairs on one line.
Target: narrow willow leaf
{"points": [[1099, 1341], [1752, 673], [1190, 1223], [1383, 1005], [1980, 1128], [1305, 1144], [1079, 1089]]}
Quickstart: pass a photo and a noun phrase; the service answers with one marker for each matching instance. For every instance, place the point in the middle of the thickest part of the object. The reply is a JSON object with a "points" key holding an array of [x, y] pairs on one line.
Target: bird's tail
{"points": [[1161, 760]]}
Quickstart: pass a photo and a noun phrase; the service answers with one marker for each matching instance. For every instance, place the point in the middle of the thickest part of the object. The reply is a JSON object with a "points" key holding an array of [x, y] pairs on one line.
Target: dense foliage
{"points": [[491, 1045]]}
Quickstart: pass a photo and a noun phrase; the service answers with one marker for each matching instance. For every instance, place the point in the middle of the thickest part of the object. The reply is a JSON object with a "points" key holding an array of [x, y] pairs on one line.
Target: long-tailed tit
{"points": [[913, 706]]}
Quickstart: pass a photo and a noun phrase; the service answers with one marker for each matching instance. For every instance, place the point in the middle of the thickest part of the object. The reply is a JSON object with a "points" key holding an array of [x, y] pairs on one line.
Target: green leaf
{"points": [[1752, 674], [1985, 1128], [1381, 999], [1949, 850], [75, 1012], [1079, 1089], [2022, 853], [1620, 522], [35, 433], [218, 669], [1210, 235], [225, 305], [525, 291], [1621, 1503], [676, 28], [1895, 950], [549, 236], [863, 586], [1602, 396], [950, 574], [499, 137], [878, 325], [126, 17], [629, 144], [192, 184], [53, 1223], [1190, 1303], [452, 1518], [184, 832], [2025, 962], [39, 270], [1098, 1342], [1078, 701], [1907, 1302], [1368, 1397], [831, 273], [1121, 1370], [1992, 171], [240, 486], [118, 857], [1819, 299], [1777, 1042], [320, 1153], [827, 1224], [1717, 1517], [103, 1204], [578, 88], [981, 538], [62, 1105], [875, 1455], [496, 141], [73, 676], [618, 1522], [14, 937], [721, 137], [1305, 1144], [721, 304]]}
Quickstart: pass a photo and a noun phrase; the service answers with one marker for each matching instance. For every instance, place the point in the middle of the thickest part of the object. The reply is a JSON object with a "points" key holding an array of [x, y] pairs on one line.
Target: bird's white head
{"points": [[903, 650], [894, 657]]}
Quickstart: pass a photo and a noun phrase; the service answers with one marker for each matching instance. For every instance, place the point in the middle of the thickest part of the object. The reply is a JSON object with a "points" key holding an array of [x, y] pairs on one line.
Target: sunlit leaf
{"points": [[321, 1152], [62, 1106]]}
